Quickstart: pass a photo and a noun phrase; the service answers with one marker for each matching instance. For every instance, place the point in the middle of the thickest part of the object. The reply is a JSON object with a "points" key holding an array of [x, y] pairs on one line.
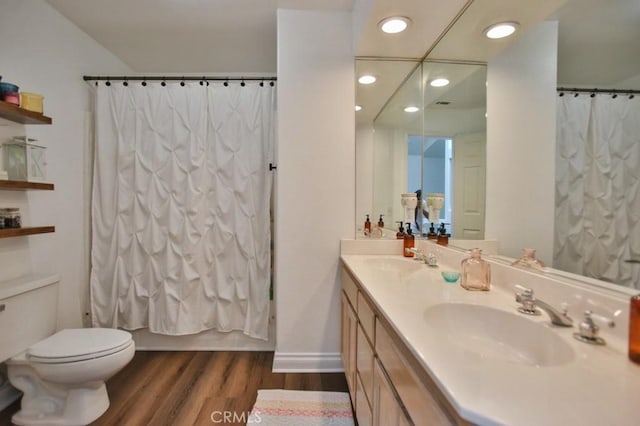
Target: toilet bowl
{"points": [[62, 377]]}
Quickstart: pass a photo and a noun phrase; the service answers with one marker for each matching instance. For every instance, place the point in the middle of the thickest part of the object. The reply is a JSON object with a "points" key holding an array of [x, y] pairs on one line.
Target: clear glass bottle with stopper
{"points": [[528, 260], [476, 272]]}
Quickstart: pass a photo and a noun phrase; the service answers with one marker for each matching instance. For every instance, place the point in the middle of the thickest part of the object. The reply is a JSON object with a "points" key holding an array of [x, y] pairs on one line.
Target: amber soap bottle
{"points": [[367, 227], [409, 242], [634, 329]]}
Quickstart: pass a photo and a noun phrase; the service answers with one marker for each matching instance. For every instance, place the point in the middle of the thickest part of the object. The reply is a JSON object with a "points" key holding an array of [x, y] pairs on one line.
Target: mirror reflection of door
{"points": [[430, 171], [454, 167], [469, 170]]}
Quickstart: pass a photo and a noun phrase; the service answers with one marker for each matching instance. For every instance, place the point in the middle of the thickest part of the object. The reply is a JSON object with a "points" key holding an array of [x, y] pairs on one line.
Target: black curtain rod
{"points": [[174, 78], [624, 92]]}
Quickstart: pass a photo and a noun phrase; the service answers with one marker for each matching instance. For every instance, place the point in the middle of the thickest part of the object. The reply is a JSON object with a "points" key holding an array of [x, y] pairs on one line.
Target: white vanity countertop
{"points": [[599, 386]]}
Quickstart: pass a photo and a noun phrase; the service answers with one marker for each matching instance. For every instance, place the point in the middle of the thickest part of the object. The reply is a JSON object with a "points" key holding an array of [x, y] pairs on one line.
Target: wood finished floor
{"points": [[185, 388]]}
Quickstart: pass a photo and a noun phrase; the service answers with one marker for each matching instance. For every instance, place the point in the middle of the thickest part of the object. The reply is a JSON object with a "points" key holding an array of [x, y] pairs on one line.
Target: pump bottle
{"points": [[400, 233], [409, 242], [367, 227]]}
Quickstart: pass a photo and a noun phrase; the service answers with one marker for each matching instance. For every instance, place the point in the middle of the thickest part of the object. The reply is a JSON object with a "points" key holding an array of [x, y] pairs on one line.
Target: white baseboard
{"points": [[307, 363]]}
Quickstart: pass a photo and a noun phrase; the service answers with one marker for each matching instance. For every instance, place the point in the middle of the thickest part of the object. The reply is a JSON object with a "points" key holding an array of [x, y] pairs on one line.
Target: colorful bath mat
{"points": [[285, 407]]}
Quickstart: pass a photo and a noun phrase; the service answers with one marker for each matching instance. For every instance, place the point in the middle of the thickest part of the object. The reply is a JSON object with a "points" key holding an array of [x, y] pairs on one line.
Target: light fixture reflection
{"points": [[394, 24], [366, 79], [411, 109], [439, 82], [501, 30], [358, 108]]}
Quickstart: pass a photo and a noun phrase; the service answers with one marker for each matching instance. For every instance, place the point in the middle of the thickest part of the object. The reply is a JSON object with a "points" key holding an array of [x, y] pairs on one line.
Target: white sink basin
{"points": [[489, 333]]}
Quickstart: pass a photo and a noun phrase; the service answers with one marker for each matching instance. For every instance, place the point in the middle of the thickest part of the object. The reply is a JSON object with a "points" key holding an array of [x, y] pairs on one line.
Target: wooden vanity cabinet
{"points": [[387, 407], [387, 384], [348, 344]]}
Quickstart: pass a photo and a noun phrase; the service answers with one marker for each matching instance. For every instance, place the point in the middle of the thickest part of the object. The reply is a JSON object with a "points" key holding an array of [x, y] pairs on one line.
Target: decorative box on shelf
{"points": [[24, 160]]}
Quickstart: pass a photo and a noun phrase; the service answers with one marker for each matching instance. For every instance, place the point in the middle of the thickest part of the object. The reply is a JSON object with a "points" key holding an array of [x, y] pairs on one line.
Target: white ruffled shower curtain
{"points": [[181, 207], [597, 218]]}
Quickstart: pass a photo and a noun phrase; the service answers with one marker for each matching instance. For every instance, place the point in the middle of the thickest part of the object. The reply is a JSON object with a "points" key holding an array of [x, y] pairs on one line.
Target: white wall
{"points": [[315, 184], [521, 131], [44, 53], [390, 163], [364, 173]]}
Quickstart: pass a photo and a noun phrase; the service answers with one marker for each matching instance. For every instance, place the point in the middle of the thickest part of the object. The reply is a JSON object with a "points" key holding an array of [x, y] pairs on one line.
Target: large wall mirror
{"points": [[581, 222], [431, 138]]}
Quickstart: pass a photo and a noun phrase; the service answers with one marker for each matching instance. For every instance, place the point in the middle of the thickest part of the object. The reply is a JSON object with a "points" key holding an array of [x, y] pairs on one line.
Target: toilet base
{"points": [[47, 404]]}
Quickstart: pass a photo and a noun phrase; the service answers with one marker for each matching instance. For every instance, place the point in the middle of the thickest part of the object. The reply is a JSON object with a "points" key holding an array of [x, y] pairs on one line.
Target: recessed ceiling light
{"points": [[394, 24], [366, 79], [411, 109], [501, 30], [439, 82], [358, 107]]}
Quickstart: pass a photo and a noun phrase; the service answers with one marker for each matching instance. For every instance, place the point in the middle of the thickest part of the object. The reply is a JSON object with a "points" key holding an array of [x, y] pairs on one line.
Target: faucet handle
{"points": [[419, 255], [588, 329], [431, 259], [524, 291], [527, 299]]}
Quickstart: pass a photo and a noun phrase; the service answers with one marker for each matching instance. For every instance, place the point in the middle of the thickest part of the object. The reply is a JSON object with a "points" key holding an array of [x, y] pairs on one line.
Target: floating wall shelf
{"points": [[19, 232], [23, 116], [20, 185]]}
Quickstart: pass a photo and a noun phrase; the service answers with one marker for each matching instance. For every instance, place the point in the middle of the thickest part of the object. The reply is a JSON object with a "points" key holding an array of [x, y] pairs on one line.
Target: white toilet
{"points": [[61, 376]]}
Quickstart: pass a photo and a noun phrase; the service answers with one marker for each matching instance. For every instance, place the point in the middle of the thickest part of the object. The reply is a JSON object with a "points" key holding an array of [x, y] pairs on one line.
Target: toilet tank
{"points": [[28, 308]]}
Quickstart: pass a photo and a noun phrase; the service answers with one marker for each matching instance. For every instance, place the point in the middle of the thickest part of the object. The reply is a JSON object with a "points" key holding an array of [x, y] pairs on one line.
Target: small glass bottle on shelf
{"points": [[476, 272], [528, 260]]}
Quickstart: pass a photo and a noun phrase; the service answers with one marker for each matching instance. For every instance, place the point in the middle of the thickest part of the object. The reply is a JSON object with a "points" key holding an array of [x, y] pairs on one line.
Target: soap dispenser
{"points": [[443, 237], [409, 242], [432, 233], [400, 233], [476, 272], [380, 222], [367, 227]]}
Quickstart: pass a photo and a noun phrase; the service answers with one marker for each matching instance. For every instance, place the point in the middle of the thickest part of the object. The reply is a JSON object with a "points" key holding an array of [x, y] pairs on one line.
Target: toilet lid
{"points": [[79, 344]]}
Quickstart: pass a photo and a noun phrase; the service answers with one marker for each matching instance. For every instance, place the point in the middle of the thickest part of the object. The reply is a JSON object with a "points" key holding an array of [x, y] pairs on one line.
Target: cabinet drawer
{"points": [[418, 400], [363, 410], [365, 364], [387, 409], [366, 318], [349, 287]]}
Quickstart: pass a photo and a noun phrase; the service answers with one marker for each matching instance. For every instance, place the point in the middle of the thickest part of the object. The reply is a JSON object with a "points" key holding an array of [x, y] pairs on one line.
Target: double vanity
{"points": [[419, 350]]}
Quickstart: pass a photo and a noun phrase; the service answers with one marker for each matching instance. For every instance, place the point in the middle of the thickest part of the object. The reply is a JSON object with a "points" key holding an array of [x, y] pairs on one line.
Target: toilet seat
{"points": [[73, 345]]}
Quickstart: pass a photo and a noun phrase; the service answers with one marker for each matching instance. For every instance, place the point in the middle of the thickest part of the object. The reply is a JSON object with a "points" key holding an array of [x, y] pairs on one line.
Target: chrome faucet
{"points": [[530, 306], [428, 258]]}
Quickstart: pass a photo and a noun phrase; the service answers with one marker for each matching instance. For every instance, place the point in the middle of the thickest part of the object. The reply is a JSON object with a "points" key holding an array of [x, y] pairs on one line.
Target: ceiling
{"points": [[239, 36], [188, 36], [597, 47]]}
